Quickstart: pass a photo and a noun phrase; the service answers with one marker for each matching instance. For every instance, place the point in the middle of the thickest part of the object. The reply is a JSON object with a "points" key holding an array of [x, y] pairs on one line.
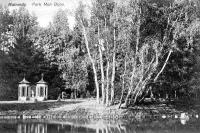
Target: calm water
{"points": [[151, 126]]}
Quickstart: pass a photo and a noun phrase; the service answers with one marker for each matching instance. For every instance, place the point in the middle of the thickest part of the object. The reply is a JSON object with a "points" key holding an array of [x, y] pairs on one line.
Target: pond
{"points": [[86, 126]]}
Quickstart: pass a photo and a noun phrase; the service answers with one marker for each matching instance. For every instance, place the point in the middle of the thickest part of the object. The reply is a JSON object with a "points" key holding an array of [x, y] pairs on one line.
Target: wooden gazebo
{"points": [[32, 93]]}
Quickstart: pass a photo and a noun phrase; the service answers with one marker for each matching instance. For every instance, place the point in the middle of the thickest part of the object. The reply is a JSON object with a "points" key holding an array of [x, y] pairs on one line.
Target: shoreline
{"points": [[88, 109]]}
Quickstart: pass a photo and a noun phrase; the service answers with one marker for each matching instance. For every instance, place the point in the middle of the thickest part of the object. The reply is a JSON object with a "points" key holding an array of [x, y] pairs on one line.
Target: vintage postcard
{"points": [[99, 66]]}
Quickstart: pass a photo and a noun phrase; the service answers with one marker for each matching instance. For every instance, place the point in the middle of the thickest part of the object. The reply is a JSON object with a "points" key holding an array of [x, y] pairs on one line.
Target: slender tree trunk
{"points": [[101, 66], [93, 64], [102, 76], [107, 83], [96, 83], [169, 54], [113, 67], [138, 28], [123, 85], [129, 91]]}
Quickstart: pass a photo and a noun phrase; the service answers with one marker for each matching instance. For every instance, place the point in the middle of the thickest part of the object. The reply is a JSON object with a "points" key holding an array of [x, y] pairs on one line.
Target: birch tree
{"points": [[82, 19], [139, 39]]}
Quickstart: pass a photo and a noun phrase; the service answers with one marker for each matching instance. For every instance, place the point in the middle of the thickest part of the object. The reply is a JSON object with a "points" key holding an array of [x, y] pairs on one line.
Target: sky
{"points": [[46, 9]]}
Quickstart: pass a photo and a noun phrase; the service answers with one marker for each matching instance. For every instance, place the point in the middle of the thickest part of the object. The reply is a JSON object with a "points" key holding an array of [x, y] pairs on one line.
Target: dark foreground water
{"points": [[81, 126]]}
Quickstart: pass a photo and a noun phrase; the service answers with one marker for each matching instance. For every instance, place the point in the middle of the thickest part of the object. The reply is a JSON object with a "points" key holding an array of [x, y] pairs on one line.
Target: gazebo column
{"points": [[38, 89], [27, 94], [36, 92], [21, 91], [18, 91], [26, 91], [46, 91]]}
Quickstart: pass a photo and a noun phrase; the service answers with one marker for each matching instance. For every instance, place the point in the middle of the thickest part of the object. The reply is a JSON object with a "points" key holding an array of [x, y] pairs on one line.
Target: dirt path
{"points": [[84, 103], [88, 105]]}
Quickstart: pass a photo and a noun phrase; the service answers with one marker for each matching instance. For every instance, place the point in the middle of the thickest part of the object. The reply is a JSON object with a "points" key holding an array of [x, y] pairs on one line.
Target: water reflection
{"points": [[31, 128], [116, 129], [75, 126], [98, 127]]}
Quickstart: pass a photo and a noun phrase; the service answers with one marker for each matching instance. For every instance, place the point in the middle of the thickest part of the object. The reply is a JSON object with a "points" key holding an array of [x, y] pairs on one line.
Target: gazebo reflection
{"points": [[98, 127], [31, 128]]}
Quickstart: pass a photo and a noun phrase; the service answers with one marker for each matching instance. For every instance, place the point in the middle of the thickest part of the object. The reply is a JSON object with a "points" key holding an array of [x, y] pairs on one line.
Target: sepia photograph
{"points": [[99, 66]]}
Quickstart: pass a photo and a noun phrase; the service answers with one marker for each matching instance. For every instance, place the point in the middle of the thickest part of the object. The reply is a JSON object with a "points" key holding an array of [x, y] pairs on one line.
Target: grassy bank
{"points": [[25, 106], [86, 109]]}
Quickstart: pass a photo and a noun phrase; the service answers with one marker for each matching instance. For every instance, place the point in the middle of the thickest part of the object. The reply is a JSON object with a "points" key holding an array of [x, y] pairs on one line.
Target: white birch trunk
{"points": [[113, 67], [107, 83], [101, 67], [93, 64]]}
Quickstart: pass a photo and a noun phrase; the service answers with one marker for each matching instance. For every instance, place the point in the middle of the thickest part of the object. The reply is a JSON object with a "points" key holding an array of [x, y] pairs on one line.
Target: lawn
{"points": [[24, 106]]}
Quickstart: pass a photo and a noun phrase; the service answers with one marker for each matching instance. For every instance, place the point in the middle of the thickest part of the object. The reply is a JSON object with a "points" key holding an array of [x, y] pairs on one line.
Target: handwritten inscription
{"points": [[38, 4], [16, 4]]}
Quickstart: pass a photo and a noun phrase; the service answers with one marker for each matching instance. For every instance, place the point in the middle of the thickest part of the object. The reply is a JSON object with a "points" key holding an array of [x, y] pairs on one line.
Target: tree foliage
{"points": [[126, 50], [23, 56]]}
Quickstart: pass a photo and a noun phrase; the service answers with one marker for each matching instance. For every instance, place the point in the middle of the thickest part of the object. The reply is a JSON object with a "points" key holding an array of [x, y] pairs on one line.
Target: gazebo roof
{"points": [[42, 81], [24, 81]]}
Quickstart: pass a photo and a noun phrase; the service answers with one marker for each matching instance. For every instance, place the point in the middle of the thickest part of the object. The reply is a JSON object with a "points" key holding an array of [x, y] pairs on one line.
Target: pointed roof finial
{"points": [[24, 81], [42, 76], [42, 80]]}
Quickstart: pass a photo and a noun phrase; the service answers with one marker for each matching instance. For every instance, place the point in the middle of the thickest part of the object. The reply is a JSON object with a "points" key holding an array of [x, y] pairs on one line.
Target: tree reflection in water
{"points": [[31, 128], [117, 129], [60, 128], [75, 126]]}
